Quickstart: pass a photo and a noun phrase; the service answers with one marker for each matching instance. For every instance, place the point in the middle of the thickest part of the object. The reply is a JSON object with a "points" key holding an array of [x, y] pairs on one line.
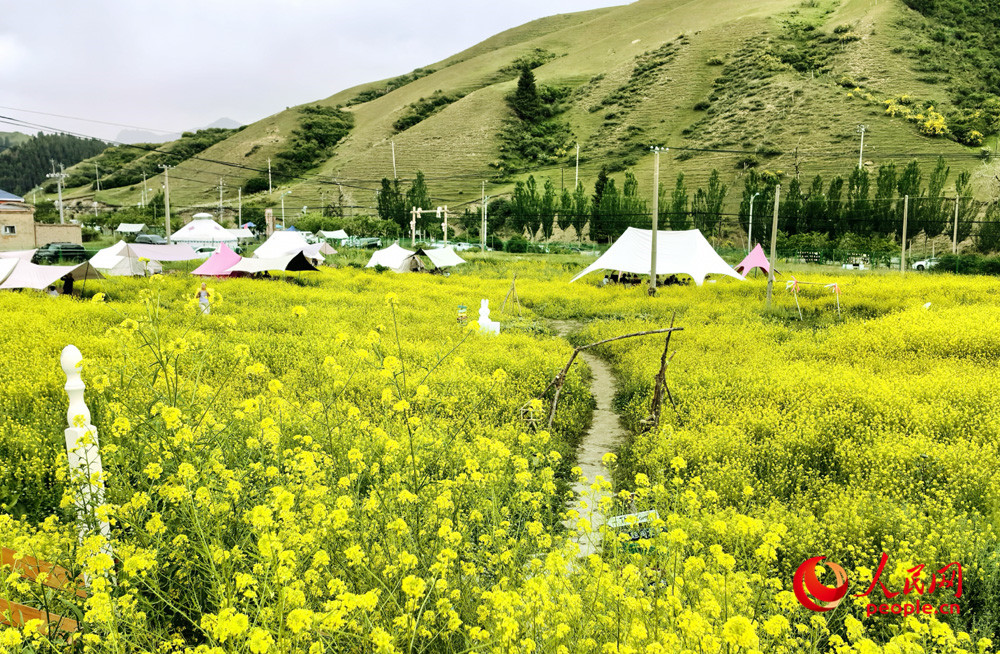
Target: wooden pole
{"points": [[774, 245], [656, 220]]}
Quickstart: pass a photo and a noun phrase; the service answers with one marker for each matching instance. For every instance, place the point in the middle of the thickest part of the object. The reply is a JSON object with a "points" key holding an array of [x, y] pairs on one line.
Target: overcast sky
{"points": [[182, 64]]}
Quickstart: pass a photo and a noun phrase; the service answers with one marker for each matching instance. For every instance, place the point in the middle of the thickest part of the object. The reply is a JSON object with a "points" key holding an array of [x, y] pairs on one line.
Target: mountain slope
{"points": [[776, 84]]}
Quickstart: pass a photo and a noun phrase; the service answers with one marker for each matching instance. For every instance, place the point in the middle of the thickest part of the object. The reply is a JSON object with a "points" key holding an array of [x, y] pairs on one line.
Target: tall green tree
{"points": [[884, 205], [968, 208], [565, 218], [908, 186], [547, 208], [524, 102], [677, 216], [987, 238], [814, 208], [417, 196], [707, 206], [790, 208], [608, 222], [391, 204], [858, 215], [933, 213], [834, 204], [633, 208], [596, 221]]}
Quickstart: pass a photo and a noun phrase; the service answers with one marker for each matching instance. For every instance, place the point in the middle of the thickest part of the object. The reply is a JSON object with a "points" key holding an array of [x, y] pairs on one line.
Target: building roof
{"points": [[9, 197]]}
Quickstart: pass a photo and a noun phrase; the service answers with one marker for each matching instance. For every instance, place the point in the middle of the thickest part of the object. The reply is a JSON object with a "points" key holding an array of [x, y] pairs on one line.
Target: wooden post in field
{"points": [[774, 245], [902, 255]]}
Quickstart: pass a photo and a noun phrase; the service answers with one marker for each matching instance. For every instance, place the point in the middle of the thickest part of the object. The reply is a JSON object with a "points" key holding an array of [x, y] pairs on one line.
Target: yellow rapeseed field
{"points": [[335, 464]]}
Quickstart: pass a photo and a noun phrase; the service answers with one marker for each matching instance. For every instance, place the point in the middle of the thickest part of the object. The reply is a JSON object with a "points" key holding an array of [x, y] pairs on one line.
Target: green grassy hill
{"points": [[776, 84]]}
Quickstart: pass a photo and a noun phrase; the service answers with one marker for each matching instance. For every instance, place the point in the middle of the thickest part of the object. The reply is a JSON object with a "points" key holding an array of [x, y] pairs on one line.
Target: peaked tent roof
{"points": [[677, 253], [203, 230], [442, 257], [242, 232], [176, 252], [30, 275], [131, 228], [755, 259], [219, 263], [325, 249], [337, 234], [18, 254], [120, 260], [396, 258], [291, 263], [284, 244]]}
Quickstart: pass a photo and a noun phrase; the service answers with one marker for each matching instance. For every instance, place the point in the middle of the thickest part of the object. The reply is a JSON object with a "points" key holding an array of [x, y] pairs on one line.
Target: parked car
{"points": [[53, 252], [924, 264], [150, 239]]}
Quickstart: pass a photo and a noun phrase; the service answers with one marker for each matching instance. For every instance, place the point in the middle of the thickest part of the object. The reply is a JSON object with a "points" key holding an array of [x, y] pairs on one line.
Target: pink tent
{"points": [[755, 259], [219, 263]]}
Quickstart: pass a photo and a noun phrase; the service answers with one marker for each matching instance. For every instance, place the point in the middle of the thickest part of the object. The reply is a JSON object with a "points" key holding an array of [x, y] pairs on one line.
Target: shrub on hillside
{"points": [[517, 245]]}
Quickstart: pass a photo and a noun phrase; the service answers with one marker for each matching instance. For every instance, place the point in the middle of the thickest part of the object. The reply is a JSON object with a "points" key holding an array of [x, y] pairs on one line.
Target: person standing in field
{"points": [[203, 298]]}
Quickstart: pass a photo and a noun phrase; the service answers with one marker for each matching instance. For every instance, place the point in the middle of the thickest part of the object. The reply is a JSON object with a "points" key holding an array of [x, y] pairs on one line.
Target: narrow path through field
{"points": [[604, 435]]}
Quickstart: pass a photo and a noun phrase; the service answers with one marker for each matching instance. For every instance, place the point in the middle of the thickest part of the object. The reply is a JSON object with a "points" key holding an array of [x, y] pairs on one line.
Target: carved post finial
{"points": [[71, 362]]}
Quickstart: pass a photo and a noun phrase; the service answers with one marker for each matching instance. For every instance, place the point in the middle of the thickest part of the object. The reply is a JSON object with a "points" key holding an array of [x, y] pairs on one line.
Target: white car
{"points": [[924, 264]]}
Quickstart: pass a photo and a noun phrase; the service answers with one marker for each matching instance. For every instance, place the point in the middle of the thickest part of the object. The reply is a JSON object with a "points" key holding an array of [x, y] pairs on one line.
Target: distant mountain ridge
{"points": [[132, 136]]}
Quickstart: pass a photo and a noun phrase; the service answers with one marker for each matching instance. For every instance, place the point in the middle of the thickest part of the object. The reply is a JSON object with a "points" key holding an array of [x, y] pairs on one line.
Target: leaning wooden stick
{"points": [[560, 379], [661, 383]]}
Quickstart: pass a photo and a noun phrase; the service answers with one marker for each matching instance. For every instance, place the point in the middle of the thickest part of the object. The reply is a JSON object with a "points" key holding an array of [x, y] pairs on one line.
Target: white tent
{"points": [[442, 257], [18, 254], [292, 262], [395, 258], [335, 235], [6, 267], [130, 228], [29, 275], [283, 244], [120, 260], [241, 233], [677, 253], [176, 252], [202, 232]]}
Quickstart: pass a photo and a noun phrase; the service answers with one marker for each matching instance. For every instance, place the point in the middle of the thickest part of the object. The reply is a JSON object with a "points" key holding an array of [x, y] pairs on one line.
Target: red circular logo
{"points": [[823, 598]]}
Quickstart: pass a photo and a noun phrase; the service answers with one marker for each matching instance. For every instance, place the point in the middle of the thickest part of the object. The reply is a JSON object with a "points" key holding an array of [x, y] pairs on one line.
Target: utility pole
{"points": [[656, 220], [861, 130], [750, 230], [221, 184], [902, 254], [413, 226], [394, 175], [774, 246], [239, 200], [166, 199], [59, 177], [482, 232], [577, 183], [954, 238], [97, 176], [270, 190], [143, 194]]}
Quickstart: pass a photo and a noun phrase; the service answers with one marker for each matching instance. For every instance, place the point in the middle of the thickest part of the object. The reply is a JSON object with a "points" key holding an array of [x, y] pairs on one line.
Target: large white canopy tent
{"points": [[29, 275], [120, 260], [175, 252], [284, 244], [442, 257], [291, 263], [396, 259], [6, 267], [677, 253], [18, 254], [203, 232]]}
